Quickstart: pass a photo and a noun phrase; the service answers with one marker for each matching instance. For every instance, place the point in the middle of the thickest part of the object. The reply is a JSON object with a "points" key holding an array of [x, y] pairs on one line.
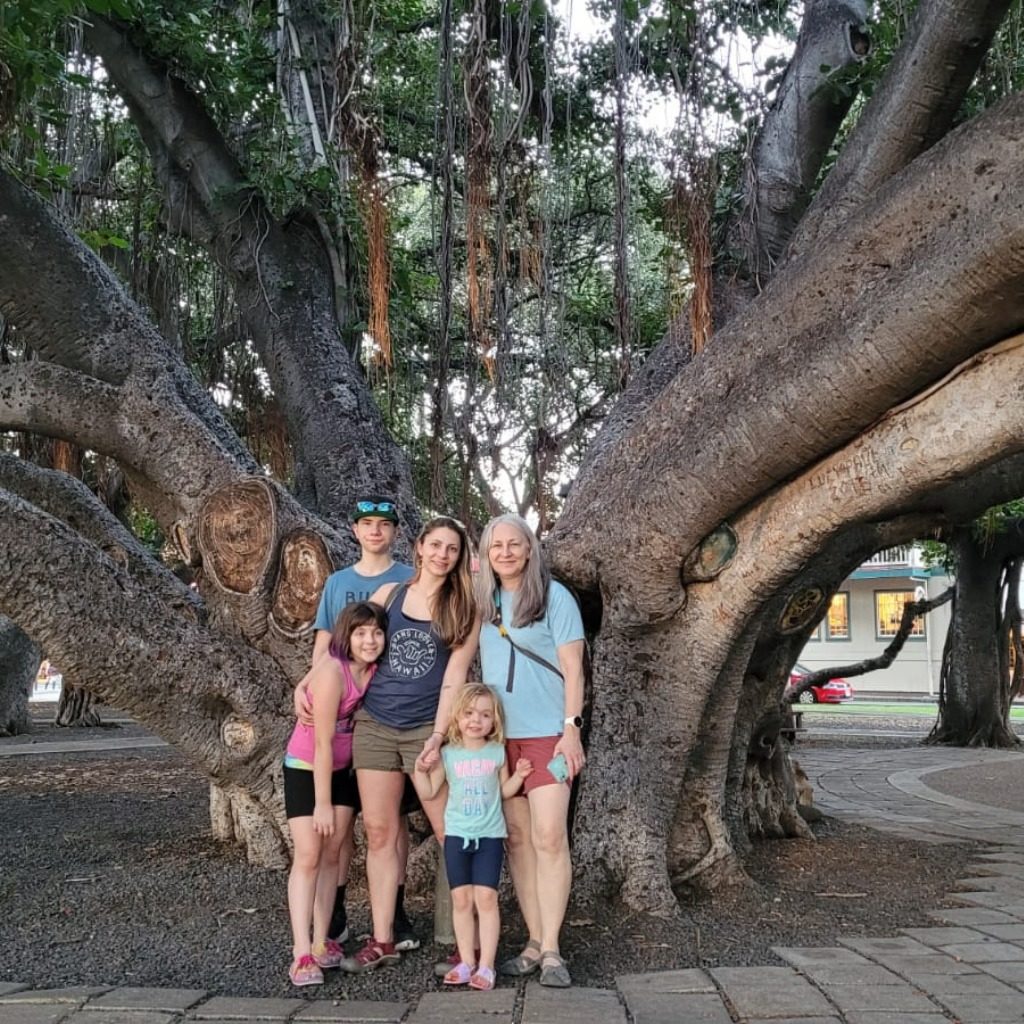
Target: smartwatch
{"points": [[576, 720]]}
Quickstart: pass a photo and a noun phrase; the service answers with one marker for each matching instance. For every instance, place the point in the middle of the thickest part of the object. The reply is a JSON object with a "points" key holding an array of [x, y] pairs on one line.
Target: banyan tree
{"points": [[848, 376]]}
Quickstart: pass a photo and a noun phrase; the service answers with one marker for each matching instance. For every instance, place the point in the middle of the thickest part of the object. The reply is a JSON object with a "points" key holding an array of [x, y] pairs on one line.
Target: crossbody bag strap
{"points": [[525, 651]]}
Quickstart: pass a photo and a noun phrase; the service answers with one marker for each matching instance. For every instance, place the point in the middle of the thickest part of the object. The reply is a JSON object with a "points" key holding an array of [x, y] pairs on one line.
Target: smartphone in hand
{"points": [[559, 768]]}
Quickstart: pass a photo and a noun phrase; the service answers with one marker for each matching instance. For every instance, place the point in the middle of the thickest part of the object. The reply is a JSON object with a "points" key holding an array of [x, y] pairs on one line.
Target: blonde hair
{"points": [[454, 611], [469, 693], [532, 595]]}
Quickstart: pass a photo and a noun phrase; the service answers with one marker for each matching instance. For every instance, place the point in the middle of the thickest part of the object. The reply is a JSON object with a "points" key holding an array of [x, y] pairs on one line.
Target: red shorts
{"points": [[538, 750]]}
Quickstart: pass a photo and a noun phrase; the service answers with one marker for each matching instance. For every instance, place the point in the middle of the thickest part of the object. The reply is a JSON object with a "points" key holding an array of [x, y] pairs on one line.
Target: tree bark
{"points": [[19, 662], [284, 287], [973, 709], [878, 330]]}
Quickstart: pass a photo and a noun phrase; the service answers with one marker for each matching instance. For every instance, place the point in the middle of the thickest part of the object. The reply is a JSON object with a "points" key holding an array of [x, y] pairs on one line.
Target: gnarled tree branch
{"points": [[912, 109], [892, 330], [283, 284], [791, 146]]}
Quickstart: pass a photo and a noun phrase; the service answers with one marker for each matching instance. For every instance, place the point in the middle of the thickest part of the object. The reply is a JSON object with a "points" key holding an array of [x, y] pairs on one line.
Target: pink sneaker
{"points": [[329, 954], [305, 971]]}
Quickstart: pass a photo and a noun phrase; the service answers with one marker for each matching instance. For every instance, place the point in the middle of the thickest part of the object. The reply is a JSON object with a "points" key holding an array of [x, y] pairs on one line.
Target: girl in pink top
{"points": [[319, 784]]}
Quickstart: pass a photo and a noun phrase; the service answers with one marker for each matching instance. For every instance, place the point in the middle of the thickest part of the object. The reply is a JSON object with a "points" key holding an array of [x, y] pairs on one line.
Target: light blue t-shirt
{"points": [[536, 705], [346, 585], [474, 809]]}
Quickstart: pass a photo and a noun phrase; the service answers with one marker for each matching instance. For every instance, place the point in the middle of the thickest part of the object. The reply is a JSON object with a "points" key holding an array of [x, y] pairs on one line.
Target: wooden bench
{"points": [[793, 723]]}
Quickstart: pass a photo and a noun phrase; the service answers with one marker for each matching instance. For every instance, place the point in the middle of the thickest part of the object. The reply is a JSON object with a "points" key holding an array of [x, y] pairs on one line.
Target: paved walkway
{"points": [[969, 967]]}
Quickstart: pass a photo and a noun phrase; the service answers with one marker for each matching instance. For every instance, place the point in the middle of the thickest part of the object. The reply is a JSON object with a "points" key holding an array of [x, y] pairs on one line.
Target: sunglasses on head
{"points": [[375, 506]]}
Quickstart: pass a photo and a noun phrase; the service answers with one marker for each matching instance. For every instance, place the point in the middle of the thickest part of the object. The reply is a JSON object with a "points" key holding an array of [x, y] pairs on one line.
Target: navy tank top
{"points": [[407, 684]]}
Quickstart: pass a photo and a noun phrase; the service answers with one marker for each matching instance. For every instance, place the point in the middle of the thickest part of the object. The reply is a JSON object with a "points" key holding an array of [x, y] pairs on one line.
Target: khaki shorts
{"points": [[381, 748]]}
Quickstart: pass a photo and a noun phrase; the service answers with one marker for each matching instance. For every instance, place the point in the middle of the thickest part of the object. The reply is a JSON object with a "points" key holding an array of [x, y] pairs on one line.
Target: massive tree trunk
{"points": [[284, 281], [113, 385], [974, 696], [670, 673], [225, 705], [19, 662]]}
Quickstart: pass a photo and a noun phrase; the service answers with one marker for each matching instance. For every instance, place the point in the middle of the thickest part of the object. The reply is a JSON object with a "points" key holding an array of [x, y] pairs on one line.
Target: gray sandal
{"points": [[554, 975], [522, 965]]}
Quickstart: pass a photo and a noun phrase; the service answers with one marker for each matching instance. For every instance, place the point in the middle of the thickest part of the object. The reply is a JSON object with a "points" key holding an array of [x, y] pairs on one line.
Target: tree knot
{"points": [[238, 734]]}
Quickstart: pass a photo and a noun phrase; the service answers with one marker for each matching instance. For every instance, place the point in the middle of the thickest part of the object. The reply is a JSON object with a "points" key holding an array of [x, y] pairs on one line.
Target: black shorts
{"points": [[300, 793], [473, 861]]}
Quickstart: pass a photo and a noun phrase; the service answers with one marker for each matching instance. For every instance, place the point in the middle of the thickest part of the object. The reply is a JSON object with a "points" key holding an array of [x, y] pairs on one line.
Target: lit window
{"points": [[837, 621], [889, 606]]}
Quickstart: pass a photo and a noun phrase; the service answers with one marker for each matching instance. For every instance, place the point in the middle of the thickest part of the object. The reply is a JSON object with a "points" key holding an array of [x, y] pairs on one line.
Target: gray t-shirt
{"points": [[346, 585]]}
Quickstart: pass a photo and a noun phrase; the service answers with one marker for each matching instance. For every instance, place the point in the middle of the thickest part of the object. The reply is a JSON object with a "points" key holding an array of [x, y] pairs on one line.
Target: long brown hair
{"points": [[454, 611]]}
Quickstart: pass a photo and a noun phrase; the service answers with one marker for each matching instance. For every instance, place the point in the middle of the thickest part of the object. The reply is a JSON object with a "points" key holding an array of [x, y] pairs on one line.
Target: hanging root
{"points": [[478, 198], [375, 214], [699, 201]]}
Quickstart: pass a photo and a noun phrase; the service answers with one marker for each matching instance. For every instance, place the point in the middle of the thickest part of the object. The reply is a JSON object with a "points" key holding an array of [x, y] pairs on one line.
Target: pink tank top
{"points": [[302, 745]]}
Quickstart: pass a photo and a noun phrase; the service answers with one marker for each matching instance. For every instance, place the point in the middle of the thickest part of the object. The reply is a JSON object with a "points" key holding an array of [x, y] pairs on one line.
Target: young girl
{"points": [[320, 791], [473, 762]]}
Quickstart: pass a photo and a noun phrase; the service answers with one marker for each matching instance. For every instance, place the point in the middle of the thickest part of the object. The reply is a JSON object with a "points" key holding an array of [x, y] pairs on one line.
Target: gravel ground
{"points": [[109, 874]]}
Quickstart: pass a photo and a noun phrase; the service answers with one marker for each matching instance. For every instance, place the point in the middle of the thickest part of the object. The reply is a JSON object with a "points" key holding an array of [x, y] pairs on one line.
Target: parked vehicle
{"points": [[835, 691]]}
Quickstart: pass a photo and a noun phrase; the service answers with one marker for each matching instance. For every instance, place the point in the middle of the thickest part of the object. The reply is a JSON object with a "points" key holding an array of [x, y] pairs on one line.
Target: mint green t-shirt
{"points": [[474, 809]]}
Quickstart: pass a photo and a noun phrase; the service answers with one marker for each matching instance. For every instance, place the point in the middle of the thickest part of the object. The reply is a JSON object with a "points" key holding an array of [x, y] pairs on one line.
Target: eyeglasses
{"points": [[387, 507]]}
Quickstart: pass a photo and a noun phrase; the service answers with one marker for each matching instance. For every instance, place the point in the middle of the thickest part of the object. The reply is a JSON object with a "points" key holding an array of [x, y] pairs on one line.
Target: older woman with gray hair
{"points": [[531, 653]]}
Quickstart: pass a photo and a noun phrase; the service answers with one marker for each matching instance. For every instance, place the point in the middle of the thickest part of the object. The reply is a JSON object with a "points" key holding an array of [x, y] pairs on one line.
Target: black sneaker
{"points": [[405, 937], [338, 928]]}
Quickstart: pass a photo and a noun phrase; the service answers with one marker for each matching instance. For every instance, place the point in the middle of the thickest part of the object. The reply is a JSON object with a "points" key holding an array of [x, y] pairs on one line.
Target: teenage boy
{"points": [[375, 525]]}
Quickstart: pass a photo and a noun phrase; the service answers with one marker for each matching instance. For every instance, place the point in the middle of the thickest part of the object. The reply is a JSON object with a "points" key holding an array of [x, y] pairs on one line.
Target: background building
{"points": [[865, 614]]}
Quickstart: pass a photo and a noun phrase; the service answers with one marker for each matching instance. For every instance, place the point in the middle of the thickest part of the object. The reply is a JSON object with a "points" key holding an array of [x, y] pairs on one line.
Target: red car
{"points": [[835, 691]]}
